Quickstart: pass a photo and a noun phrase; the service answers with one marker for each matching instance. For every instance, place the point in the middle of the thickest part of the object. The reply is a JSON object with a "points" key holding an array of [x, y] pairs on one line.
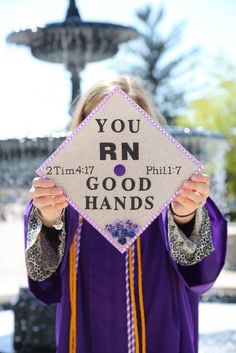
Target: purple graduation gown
{"points": [[171, 292]]}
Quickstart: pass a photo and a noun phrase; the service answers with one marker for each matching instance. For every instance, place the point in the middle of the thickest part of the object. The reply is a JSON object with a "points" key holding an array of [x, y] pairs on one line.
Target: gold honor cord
{"points": [[73, 297], [140, 294]]}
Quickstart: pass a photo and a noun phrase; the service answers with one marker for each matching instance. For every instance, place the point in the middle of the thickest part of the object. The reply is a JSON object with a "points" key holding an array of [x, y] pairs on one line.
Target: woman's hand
{"points": [[48, 198], [192, 194]]}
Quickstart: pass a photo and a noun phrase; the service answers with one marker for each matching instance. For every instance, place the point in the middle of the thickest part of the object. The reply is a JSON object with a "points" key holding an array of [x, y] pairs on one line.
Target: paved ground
{"points": [[12, 266], [217, 327]]}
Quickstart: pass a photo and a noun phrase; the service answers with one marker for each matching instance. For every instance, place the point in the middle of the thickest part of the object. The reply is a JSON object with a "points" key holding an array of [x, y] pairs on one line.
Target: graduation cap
{"points": [[120, 168]]}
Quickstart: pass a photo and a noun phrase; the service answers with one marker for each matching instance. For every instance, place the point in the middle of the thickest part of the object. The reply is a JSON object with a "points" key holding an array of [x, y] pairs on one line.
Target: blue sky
{"points": [[36, 95]]}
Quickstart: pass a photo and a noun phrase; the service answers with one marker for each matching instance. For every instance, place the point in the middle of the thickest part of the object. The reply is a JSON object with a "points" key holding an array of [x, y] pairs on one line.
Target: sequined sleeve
{"points": [[187, 251], [44, 251]]}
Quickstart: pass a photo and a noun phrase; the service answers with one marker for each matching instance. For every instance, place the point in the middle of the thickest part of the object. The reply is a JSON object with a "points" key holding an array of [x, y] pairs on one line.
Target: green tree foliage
{"points": [[157, 63], [217, 111]]}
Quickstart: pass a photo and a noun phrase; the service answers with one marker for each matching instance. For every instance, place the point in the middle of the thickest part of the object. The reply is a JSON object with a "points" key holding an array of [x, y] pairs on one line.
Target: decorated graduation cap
{"points": [[120, 168]]}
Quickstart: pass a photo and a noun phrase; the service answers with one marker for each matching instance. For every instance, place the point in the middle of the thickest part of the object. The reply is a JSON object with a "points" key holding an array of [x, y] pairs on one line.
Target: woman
{"points": [[144, 301]]}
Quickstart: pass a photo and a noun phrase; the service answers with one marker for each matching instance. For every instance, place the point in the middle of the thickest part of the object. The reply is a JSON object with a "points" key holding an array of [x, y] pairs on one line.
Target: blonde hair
{"points": [[84, 105]]}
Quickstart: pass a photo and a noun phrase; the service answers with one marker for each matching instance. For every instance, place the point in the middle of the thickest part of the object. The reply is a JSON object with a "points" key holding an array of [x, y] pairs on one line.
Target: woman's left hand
{"points": [[192, 194]]}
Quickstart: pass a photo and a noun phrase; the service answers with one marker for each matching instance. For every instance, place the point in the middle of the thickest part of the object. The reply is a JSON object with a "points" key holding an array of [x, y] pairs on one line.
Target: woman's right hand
{"points": [[48, 198]]}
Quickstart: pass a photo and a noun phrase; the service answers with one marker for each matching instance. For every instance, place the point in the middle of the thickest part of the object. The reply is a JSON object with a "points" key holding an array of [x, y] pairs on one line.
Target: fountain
{"points": [[74, 42]]}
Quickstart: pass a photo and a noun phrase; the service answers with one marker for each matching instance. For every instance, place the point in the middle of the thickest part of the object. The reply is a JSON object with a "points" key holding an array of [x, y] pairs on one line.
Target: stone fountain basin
{"points": [[85, 41]]}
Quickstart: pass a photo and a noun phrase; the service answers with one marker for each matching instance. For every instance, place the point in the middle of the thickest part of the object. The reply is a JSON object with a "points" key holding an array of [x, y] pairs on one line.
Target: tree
{"points": [[157, 63], [217, 111]]}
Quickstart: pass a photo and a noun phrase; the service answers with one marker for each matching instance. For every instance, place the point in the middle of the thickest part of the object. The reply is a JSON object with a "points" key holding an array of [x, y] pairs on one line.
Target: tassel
{"points": [[140, 296]]}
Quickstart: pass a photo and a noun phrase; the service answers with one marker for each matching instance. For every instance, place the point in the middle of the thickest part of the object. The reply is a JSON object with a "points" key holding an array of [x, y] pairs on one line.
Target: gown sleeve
{"points": [[198, 258], [188, 249], [46, 254], [44, 248]]}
